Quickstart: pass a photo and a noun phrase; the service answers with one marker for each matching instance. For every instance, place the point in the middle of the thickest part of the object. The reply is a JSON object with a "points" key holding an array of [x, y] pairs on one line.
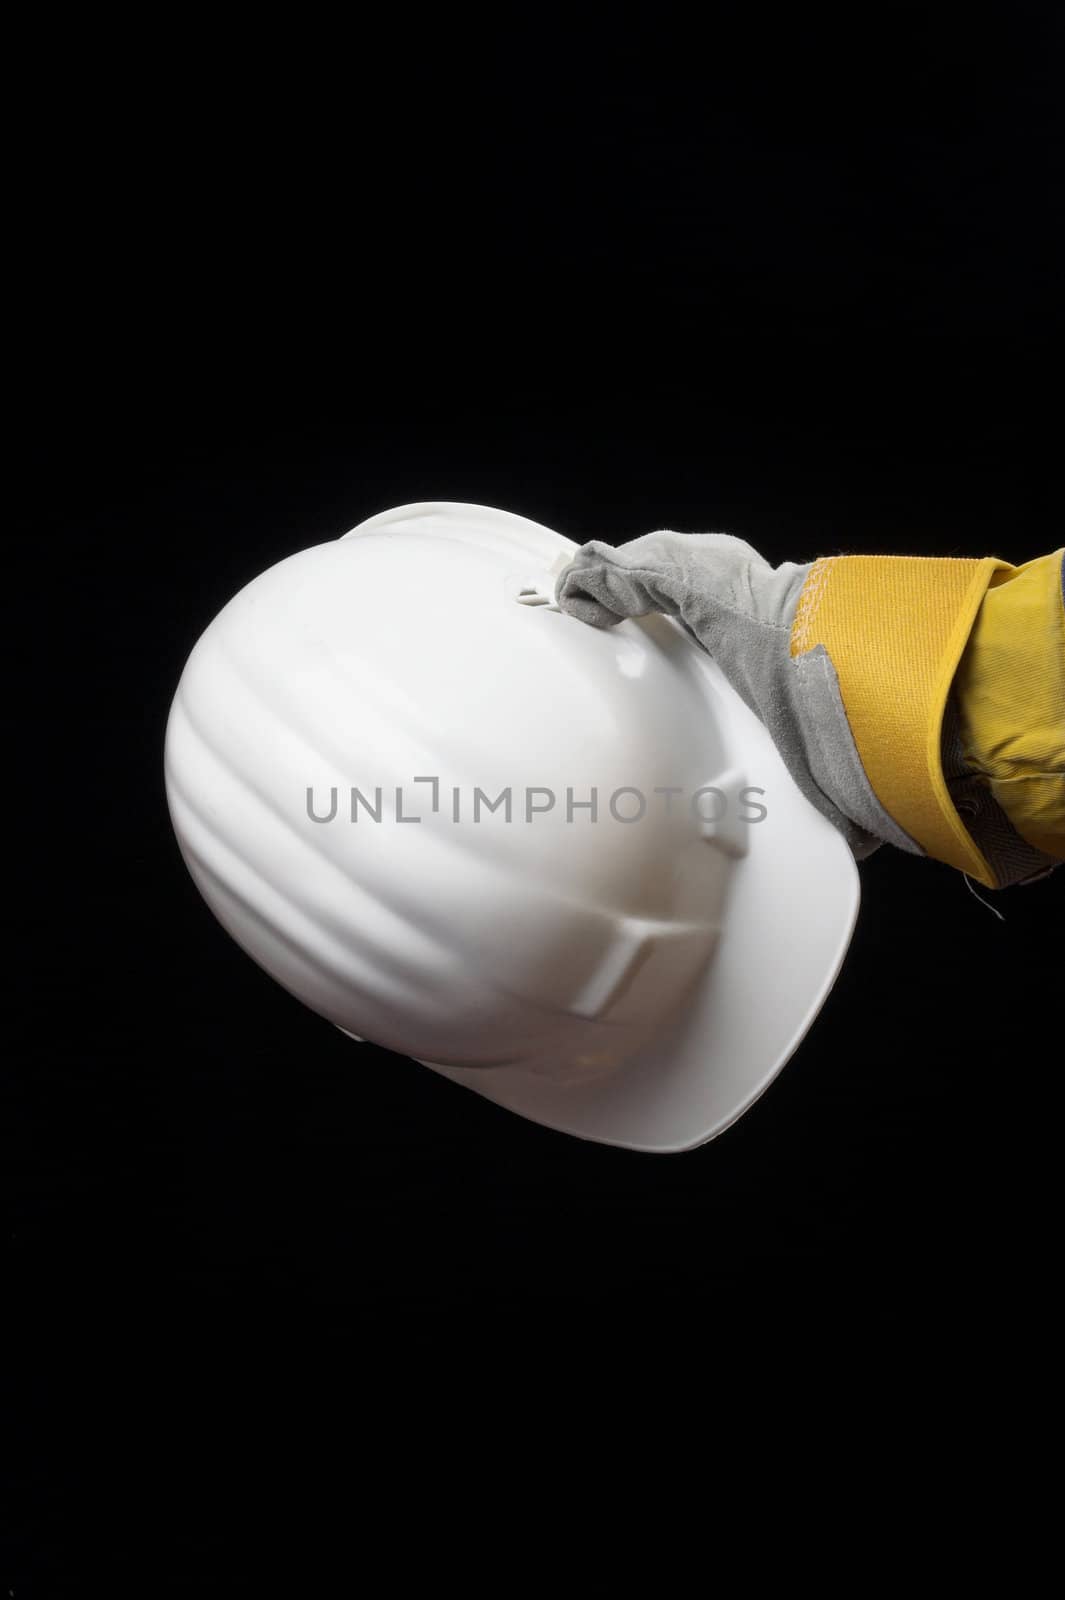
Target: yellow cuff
{"points": [[895, 628], [1011, 699]]}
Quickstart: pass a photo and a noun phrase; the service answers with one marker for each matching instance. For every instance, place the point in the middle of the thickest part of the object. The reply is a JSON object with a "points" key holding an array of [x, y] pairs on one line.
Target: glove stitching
{"points": [[812, 592]]}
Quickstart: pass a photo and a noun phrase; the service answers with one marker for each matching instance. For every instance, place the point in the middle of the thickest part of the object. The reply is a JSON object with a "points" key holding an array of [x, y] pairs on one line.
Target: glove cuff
{"points": [[895, 628]]}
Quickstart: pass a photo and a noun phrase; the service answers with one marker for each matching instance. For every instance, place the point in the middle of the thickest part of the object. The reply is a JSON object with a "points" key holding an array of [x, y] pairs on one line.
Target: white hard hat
{"points": [[563, 866]]}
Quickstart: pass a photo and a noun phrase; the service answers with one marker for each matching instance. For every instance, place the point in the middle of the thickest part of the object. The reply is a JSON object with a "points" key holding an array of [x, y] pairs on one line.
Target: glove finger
{"points": [[605, 591], [581, 593]]}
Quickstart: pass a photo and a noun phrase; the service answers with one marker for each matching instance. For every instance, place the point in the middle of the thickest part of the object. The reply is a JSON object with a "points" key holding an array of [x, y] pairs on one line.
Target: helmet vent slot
{"points": [[535, 590]]}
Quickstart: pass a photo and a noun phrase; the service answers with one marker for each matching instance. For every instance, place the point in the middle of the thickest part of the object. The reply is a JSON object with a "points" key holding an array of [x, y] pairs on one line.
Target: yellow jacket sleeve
{"points": [[904, 634], [1010, 693]]}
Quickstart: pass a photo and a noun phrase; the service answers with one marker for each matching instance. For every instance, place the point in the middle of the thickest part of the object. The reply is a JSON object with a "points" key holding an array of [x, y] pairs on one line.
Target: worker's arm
{"points": [[916, 701], [1008, 701]]}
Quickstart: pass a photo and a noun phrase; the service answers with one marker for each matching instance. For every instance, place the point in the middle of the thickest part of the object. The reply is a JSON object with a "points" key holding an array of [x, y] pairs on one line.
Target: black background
{"points": [[787, 279]]}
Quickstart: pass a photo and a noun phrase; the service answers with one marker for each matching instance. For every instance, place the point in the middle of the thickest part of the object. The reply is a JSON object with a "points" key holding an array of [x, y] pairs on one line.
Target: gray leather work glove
{"points": [[741, 610]]}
